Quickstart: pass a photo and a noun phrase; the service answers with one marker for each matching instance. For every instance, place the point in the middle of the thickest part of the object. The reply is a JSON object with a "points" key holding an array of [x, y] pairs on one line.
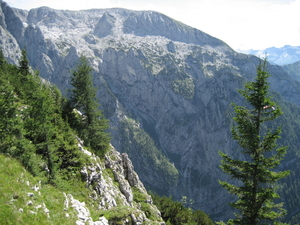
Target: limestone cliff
{"points": [[174, 84]]}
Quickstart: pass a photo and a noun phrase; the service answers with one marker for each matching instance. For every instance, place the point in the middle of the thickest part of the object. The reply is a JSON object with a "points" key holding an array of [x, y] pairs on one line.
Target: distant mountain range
{"points": [[280, 56]]}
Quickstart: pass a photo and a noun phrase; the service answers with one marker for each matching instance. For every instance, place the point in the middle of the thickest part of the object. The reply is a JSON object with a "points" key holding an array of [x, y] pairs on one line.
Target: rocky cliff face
{"points": [[111, 196], [174, 82], [115, 195], [293, 69]]}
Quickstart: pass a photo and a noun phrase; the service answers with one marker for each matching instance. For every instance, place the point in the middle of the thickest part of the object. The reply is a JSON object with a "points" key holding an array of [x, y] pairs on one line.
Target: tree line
{"points": [[39, 126]]}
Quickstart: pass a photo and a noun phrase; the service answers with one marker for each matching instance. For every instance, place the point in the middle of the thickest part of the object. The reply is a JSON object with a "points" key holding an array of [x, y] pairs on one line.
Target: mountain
{"points": [[166, 88], [280, 56], [293, 69], [48, 175]]}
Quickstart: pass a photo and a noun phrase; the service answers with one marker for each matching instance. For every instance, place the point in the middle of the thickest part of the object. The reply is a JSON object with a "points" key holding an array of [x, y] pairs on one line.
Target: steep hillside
{"points": [[165, 87], [26, 200], [48, 176], [293, 69]]}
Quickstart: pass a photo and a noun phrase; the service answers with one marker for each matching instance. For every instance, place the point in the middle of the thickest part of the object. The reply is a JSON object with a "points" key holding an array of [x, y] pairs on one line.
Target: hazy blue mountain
{"points": [[280, 56]]}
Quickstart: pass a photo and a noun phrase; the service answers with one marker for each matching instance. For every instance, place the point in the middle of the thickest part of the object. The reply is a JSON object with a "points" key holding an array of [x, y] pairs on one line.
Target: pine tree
{"points": [[83, 97], [257, 141], [2, 59], [11, 124], [13, 111], [32, 128], [24, 63]]}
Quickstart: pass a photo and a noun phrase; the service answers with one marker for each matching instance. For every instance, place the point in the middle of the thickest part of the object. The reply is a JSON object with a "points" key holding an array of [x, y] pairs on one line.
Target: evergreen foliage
{"points": [[174, 213], [31, 125], [290, 136], [151, 156], [257, 192], [2, 59], [91, 125], [24, 64]]}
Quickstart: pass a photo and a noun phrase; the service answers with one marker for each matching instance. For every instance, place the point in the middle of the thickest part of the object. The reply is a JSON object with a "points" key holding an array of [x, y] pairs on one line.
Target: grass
{"points": [[18, 206], [118, 214], [16, 184], [142, 198]]}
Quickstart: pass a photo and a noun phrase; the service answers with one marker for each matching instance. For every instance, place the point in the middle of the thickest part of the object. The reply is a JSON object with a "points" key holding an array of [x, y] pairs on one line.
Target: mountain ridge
{"points": [[177, 88], [281, 56]]}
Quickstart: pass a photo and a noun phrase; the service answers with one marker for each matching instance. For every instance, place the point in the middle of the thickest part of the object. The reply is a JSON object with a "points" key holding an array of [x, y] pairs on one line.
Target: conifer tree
{"points": [[83, 97], [24, 64], [12, 129], [2, 59], [32, 128], [257, 190], [11, 126]]}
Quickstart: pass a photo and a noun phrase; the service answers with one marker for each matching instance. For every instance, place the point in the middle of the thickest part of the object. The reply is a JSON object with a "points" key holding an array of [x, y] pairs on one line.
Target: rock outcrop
{"points": [[112, 185], [102, 178]]}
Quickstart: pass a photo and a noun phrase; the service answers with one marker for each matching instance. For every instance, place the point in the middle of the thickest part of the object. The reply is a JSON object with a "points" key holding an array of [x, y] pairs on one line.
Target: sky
{"points": [[242, 24]]}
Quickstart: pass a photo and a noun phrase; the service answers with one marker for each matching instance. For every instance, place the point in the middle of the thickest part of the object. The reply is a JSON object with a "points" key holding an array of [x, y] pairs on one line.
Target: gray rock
{"points": [[105, 25], [129, 172], [83, 213], [171, 47], [102, 221], [29, 203], [105, 190]]}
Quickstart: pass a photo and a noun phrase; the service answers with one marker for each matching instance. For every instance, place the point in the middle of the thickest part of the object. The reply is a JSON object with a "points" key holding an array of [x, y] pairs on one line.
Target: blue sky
{"points": [[243, 24]]}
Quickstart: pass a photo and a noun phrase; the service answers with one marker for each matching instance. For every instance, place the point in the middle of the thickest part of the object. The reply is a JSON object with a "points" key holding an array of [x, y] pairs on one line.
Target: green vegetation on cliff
{"points": [[153, 157], [174, 213], [32, 128]]}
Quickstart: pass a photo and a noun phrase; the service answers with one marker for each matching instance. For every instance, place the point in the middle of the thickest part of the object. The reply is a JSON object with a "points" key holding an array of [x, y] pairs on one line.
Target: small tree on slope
{"points": [[83, 97], [257, 177]]}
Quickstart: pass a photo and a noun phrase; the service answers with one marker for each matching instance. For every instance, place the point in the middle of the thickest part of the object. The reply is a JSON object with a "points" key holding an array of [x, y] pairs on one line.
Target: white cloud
{"points": [[248, 24], [242, 24]]}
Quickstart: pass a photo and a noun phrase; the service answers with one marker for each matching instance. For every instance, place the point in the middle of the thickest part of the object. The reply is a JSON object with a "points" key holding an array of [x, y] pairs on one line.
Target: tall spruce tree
{"points": [[256, 190], [93, 125]]}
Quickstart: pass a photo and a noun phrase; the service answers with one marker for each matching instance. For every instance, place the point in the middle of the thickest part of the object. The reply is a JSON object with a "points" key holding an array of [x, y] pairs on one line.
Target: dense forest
{"points": [[40, 128], [32, 126]]}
